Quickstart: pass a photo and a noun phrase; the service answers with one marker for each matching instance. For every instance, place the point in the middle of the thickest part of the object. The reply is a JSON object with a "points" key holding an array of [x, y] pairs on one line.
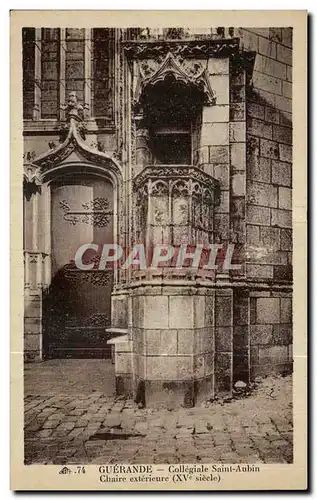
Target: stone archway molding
{"points": [[190, 72], [44, 166]]}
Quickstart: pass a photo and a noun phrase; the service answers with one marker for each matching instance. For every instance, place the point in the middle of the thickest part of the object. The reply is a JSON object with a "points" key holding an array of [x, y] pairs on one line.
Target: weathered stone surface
{"points": [[181, 312], [284, 54], [289, 74], [270, 237], [272, 115], [262, 194], [237, 207], [268, 310], [256, 110], [258, 215], [281, 218], [282, 134], [220, 86], [270, 67], [267, 47], [237, 93], [281, 173], [199, 311], [286, 310], [237, 156], [221, 172], [269, 149], [159, 212], [180, 211], [286, 239], [214, 134], [253, 235], [201, 155], [223, 362], [223, 338], [261, 334], [209, 310], [123, 363], [161, 342], [185, 341], [285, 152], [287, 89], [32, 342], [237, 131], [284, 273], [287, 37], [218, 66], [283, 103], [238, 186], [259, 128], [224, 206], [282, 334], [237, 111], [221, 227], [223, 311], [273, 355], [217, 113], [250, 40], [218, 154], [156, 312], [285, 198], [240, 309], [259, 169], [138, 311], [169, 367], [266, 82]]}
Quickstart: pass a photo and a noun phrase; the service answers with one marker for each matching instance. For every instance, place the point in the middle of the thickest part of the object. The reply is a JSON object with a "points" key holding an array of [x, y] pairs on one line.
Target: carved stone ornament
{"points": [[31, 180], [144, 49], [95, 276], [191, 73], [73, 108], [45, 164], [180, 180], [95, 213]]}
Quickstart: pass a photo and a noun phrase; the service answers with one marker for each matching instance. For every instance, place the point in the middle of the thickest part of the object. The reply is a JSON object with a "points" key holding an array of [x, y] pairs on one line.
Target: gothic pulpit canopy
{"points": [[190, 73]]}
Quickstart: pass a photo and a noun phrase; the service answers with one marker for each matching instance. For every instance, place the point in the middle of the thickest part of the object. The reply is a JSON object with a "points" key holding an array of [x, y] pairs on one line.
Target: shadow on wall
{"points": [[271, 113]]}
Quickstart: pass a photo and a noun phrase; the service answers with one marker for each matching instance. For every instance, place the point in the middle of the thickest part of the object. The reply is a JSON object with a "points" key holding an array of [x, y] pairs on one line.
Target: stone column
{"points": [[173, 342], [34, 265]]}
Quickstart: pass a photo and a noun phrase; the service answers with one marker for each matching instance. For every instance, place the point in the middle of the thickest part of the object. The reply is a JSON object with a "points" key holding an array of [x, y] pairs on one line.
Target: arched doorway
{"points": [[77, 304]]}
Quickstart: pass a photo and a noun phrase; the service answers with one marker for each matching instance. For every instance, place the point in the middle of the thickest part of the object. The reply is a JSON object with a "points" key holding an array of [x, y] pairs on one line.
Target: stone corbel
{"points": [[31, 180]]}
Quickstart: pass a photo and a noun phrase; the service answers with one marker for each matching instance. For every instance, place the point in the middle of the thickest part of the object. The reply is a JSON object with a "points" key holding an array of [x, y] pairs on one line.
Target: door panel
{"points": [[77, 306]]}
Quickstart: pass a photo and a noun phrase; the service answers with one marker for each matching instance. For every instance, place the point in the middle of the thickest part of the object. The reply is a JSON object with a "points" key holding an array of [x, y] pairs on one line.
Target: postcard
{"points": [[158, 250]]}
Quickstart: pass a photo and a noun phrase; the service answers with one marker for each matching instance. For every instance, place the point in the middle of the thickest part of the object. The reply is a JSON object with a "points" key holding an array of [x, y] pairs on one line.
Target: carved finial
{"points": [[73, 108]]}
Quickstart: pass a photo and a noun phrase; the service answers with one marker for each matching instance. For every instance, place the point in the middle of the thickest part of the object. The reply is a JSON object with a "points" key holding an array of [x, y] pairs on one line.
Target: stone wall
{"points": [[269, 196]]}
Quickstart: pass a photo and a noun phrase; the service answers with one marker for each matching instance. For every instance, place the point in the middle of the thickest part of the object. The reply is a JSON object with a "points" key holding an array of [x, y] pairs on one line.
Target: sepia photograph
{"points": [[140, 144], [157, 250]]}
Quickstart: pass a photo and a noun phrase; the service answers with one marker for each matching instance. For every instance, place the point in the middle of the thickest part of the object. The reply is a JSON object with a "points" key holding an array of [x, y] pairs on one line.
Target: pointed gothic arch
{"points": [[190, 73]]}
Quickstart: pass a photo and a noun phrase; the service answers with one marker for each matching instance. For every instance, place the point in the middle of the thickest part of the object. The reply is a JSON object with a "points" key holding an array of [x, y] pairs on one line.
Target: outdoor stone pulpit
{"points": [[172, 322]]}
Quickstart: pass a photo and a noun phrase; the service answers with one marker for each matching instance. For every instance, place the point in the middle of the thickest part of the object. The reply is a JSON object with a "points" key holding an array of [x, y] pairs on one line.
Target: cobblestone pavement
{"points": [[76, 425]]}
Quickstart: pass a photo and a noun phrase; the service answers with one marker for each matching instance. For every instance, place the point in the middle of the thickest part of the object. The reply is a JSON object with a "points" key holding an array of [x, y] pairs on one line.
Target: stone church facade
{"points": [[159, 136]]}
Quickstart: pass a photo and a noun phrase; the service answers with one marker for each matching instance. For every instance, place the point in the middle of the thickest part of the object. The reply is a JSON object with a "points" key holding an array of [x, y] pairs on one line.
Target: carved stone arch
{"points": [[180, 187], [75, 151], [159, 188], [191, 73]]}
